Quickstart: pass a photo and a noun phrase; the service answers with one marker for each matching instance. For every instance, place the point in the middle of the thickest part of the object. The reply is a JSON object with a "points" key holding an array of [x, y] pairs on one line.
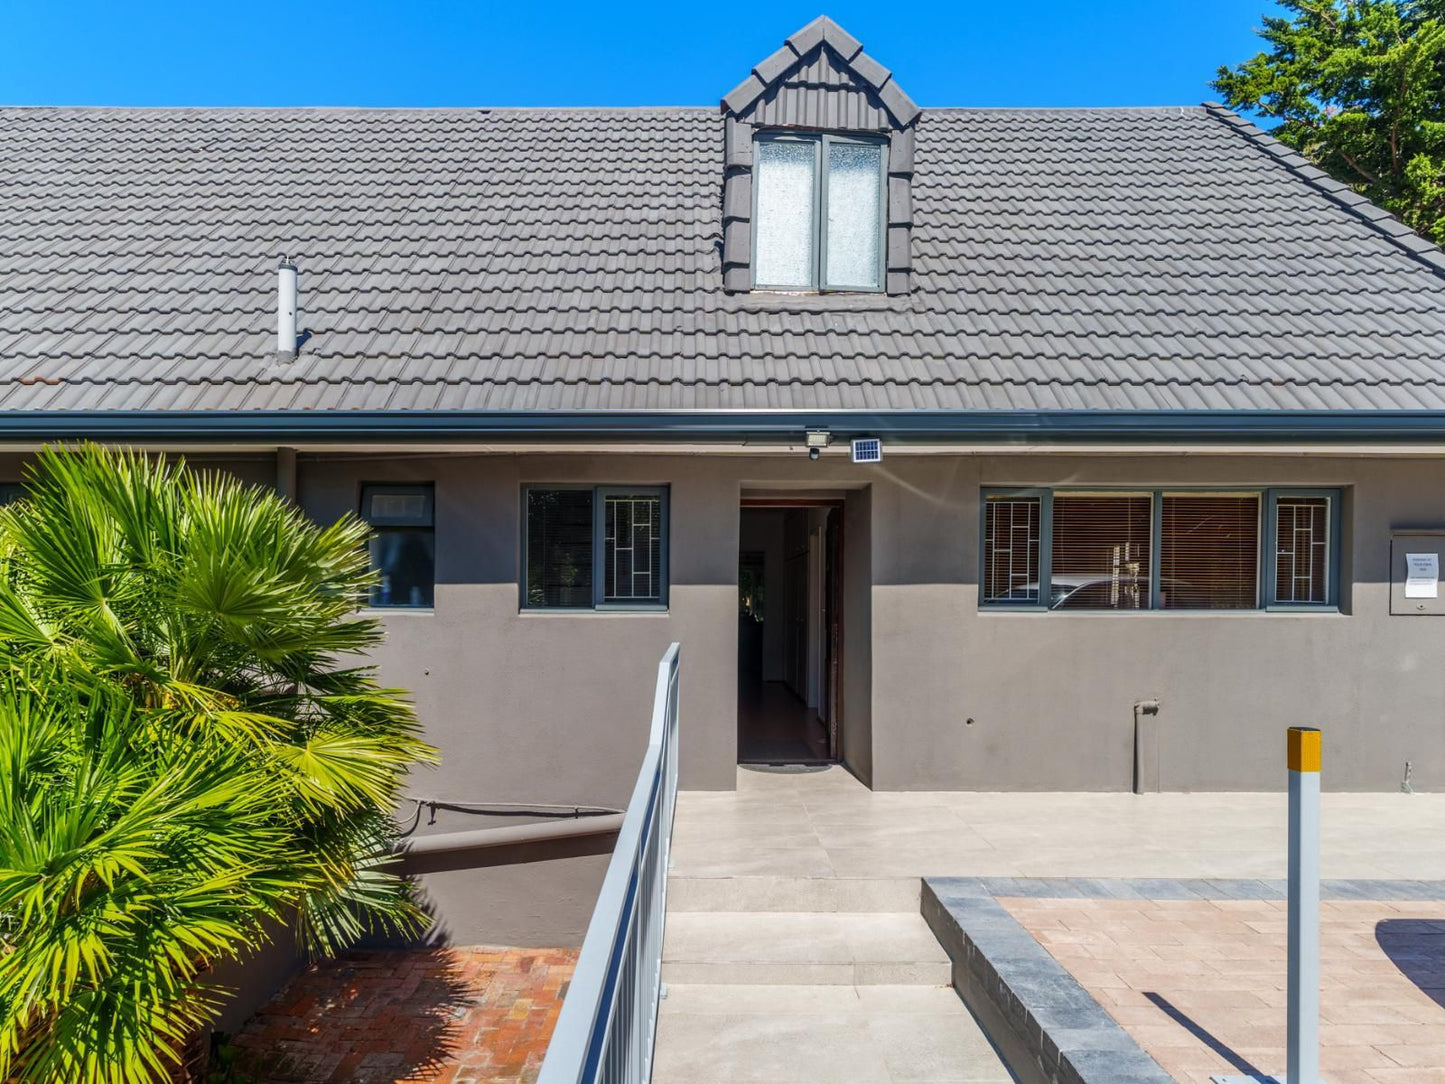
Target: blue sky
{"points": [[432, 52]]}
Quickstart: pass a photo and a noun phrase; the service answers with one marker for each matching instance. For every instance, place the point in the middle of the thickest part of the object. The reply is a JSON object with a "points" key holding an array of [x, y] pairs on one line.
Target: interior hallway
{"points": [[784, 650], [775, 727]]}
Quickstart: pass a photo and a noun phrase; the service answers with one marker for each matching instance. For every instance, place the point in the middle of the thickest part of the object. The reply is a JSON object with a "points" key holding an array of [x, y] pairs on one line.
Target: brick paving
{"points": [[449, 1016], [1200, 984]]}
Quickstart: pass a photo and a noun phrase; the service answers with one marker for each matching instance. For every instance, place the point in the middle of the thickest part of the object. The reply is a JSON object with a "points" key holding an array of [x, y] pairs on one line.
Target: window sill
{"points": [[786, 301], [1272, 611], [594, 611], [387, 611]]}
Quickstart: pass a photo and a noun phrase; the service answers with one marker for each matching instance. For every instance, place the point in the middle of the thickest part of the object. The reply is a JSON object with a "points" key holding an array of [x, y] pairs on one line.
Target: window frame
{"points": [[600, 493], [1265, 578], [821, 141], [369, 489]]}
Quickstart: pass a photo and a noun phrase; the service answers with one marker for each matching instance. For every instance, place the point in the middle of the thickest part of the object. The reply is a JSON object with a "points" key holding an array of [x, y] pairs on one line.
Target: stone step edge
{"points": [[857, 973], [771, 893]]}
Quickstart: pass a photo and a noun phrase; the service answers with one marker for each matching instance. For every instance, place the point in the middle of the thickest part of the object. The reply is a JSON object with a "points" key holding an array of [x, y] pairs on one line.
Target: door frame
{"points": [[833, 603]]}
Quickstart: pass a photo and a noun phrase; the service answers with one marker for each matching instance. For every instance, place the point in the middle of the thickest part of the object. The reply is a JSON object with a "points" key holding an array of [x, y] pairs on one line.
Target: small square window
{"points": [[595, 547], [818, 215], [402, 545]]}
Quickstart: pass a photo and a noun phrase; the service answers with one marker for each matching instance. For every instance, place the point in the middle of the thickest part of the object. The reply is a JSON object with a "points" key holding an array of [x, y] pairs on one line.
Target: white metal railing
{"points": [[608, 1024]]}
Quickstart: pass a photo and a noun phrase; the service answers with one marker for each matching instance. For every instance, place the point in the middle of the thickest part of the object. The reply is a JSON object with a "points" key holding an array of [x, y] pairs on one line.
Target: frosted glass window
{"points": [[784, 172], [854, 214]]}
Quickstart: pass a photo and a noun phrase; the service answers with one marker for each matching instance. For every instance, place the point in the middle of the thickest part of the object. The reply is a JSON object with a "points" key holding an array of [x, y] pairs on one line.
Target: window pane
{"points": [[559, 548], [1209, 552], [405, 561], [11, 491], [1100, 556], [854, 215], [1011, 549], [1301, 557], [632, 547], [407, 507], [783, 233]]}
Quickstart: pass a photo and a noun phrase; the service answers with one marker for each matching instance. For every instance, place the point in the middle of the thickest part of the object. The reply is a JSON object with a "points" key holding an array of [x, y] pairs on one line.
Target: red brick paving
{"points": [[1160, 966], [450, 1016]]}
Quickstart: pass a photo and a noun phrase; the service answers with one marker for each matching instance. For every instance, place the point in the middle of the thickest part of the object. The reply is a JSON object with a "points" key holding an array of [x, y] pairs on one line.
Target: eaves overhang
{"points": [[780, 427]]}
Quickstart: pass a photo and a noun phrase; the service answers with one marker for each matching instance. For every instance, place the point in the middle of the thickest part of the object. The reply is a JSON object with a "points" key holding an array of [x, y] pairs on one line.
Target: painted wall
{"points": [[553, 707], [1051, 695]]}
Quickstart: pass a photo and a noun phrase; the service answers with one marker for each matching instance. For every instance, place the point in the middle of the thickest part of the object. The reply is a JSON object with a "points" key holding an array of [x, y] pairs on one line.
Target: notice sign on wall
{"points": [[1422, 575]]}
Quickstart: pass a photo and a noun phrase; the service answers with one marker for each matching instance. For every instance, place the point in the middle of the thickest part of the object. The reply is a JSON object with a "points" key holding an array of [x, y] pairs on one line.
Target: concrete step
{"points": [[872, 895], [807, 948], [824, 1034]]}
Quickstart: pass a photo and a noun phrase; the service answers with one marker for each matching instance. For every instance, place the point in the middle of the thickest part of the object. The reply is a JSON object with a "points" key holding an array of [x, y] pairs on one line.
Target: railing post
{"points": [[1302, 1038]]}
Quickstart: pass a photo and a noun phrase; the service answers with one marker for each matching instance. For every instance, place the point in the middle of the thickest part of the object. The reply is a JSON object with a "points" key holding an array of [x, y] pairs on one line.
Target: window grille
{"points": [[1159, 549], [594, 547]]}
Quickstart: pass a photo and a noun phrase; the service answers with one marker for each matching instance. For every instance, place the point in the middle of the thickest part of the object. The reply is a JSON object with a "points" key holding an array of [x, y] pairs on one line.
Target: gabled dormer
{"points": [[818, 171]]}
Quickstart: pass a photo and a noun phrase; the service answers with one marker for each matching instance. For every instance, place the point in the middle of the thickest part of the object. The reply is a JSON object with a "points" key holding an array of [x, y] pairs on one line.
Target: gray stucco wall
{"points": [[552, 707]]}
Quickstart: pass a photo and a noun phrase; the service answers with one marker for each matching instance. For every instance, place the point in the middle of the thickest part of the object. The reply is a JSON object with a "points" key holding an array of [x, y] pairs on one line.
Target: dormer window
{"points": [[812, 210], [819, 212]]}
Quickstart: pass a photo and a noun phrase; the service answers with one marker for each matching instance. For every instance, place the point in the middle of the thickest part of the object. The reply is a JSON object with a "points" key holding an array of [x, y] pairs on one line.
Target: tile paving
{"points": [[785, 846], [444, 1016], [1200, 984]]}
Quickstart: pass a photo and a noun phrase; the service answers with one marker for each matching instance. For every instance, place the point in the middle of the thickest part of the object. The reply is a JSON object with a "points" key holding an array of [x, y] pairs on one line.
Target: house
{"points": [[1149, 415]]}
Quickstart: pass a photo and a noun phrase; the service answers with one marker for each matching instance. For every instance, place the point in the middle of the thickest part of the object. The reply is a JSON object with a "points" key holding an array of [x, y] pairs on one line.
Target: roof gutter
{"points": [[724, 426]]}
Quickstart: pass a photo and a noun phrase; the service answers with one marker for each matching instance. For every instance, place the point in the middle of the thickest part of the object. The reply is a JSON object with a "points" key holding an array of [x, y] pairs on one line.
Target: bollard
{"points": [[1302, 1037], [1302, 983]]}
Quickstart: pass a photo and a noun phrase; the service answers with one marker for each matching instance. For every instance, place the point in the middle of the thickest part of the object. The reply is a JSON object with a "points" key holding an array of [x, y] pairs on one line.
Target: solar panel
{"points": [[867, 450]]}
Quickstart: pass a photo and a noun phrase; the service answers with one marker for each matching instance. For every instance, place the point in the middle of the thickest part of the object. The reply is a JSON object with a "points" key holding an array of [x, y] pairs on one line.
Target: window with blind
{"points": [[402, 546], [1099, 553], [594, 547], [1209, 551], [1158, 549]]}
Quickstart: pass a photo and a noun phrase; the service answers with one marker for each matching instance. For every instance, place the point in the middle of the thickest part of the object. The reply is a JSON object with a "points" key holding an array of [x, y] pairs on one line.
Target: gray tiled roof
{"points": [[1149, 259]]}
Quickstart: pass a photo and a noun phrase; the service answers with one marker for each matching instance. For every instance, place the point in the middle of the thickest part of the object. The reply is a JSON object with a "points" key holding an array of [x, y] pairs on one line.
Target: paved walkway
{"points": [[795, 947], [1199, 984], [452, 1016]]}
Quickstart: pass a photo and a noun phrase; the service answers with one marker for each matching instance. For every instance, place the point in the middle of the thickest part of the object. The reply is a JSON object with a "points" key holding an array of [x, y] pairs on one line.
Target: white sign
{"points": [[1422, 575]]}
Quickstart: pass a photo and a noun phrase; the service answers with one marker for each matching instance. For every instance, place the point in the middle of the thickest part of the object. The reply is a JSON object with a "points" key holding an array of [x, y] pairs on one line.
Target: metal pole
{"points": [[1302, 1039]]}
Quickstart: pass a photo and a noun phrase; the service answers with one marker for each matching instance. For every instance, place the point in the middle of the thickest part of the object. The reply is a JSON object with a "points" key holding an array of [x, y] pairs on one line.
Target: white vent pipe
{"points": [[286, 310]]}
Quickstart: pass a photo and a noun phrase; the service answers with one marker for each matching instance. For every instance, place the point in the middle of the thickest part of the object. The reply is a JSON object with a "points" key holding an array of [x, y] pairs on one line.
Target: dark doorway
{"points": [[789, 632]]}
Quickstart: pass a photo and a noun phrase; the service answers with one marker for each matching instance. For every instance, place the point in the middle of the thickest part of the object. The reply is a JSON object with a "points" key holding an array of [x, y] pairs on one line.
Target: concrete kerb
{"points": [[1048, 1028]]}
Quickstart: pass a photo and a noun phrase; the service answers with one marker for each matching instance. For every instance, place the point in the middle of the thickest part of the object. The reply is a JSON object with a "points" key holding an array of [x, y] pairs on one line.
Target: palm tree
{"points": [[174, 644]]}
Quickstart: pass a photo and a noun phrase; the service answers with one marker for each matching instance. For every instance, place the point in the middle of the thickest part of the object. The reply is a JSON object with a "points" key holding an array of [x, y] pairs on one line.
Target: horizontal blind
{"points": [[559, 548], [1011, 527], [1209, 551], [1100, 552], [1301, 558]]}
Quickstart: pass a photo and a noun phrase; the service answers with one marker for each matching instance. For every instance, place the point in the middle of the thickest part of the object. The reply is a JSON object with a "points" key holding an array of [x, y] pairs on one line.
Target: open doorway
{"points": [[790, 631]]}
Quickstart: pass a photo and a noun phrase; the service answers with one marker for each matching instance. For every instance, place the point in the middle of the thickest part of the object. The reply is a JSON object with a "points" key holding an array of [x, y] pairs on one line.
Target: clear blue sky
{"points": [[432, 52]]}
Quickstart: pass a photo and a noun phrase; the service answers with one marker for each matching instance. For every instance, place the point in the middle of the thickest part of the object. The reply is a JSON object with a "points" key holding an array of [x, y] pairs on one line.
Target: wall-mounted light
{"points": [[816, 440]]}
